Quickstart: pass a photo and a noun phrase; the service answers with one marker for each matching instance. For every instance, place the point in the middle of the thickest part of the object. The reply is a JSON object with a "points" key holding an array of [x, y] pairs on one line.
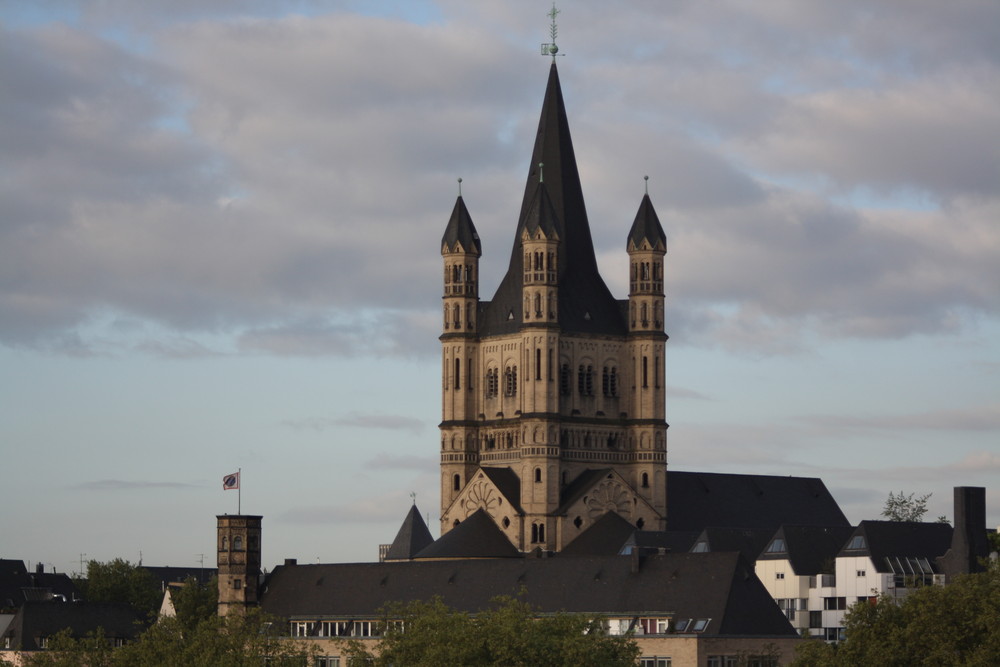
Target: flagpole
{"points": [[239, 491]]}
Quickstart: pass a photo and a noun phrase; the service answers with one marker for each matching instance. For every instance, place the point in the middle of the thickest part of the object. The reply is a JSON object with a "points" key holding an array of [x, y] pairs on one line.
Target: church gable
{"points": [[597, 492], [496, 491]]}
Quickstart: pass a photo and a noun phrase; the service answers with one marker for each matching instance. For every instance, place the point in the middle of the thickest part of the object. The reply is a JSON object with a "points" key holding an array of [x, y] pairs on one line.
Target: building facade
{"points": [[553, 378]]}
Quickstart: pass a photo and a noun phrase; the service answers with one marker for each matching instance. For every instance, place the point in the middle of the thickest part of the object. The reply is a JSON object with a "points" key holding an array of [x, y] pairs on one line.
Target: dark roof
{"points": [[899, 540], [697, 500], [17, 585], [585, 303], [476, 537], [413, 536], [508, 483], [38, 620], [810, 550], [461, 231], [604, 537], [178, 575], [646, 227], [677, 541], [747, 541], [579, 486], [716, 586], [541, 215]]}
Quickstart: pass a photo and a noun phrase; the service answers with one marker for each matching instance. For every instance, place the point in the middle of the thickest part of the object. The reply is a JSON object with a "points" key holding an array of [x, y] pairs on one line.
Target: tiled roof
{"points": [[413, 536], [508, 483], [44, 619], [697, 500], [716, 586], [747, 541], [604, 537], [476, 537], [810, 550]]}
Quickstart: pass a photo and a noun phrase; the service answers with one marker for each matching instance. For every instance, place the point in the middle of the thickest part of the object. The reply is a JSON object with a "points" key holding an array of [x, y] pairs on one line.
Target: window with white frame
{"points": [[654, 661]]}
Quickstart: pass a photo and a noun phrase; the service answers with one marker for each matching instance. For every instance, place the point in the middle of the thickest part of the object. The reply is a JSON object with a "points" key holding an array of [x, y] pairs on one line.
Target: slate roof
{"points": [[900, 539], [508, 483], [413, 536], [714, 586], [697, 500], [585, 303], [460, 230], [37, 620], [646, 226], [604, 537], [17, 585], [579, 486], [476, 537], [747, 541], [809, 549]]}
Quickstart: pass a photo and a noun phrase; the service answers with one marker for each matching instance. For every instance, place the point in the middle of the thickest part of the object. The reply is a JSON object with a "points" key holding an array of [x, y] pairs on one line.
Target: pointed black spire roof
{"points": [[647, 227], [542, 214], [413, 536], [585, 303], [460, 230], [476, 537]]}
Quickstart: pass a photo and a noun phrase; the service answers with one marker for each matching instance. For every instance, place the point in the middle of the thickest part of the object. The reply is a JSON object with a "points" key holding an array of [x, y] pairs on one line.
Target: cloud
{"points": [[383, 461], [683, 393], [126, 485], [978, 418], [357, 420]]}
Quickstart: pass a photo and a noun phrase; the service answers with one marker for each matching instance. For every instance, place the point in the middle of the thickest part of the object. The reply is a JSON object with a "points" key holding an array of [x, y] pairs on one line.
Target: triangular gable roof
{"points": [[646, 227], [413, 536], [747, 541], [605, 537], [809, 549], [476, 537], [507, 483]]}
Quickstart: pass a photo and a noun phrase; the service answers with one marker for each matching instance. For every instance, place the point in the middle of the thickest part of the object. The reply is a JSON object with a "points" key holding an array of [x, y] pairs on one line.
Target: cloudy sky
{"points": [[220, 225]]}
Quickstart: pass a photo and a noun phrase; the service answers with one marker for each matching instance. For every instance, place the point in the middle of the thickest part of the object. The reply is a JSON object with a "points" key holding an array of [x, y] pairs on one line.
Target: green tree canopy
{"points": [[121, 581], [957, 624], [429, 634], [904, 507], [195, 602]]}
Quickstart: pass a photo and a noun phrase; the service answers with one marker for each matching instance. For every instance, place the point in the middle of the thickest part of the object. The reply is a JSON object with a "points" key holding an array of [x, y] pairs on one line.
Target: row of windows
{"points": [[237, 543], [457, 273], [643, 315], [585, 381], [493, 381]]}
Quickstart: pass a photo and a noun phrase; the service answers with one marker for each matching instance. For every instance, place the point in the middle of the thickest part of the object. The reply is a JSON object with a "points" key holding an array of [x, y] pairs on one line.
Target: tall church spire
{"points": [[585, 303]]}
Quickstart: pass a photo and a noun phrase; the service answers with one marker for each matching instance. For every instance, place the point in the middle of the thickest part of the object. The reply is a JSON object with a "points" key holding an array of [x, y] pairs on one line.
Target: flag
{"points": [[231, 481]]}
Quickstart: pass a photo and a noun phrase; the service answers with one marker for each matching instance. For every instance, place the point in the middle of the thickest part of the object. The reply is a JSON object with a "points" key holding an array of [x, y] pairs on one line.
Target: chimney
{"points": [[39, 568], [968, 541]]}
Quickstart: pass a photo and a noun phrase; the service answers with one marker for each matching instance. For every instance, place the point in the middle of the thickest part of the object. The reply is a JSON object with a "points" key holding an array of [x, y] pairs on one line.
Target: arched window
{"points": [[605, 382], [645, 371], [458, 373], [644, 315], [456, 482], [645, 480], [510, 381], [457, 316], [581, 381], [538, 305], [534, 533], [564, 380], [538, 363], [225, 543], [238, 543], [492, 382], [538, 475], [614, 381], [541, 532]]}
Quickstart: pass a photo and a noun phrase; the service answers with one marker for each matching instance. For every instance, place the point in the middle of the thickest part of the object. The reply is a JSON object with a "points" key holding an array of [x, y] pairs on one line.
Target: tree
{"points": [[232, 641], [121, 581], [957, 624], [904, 507], [428, 634], [195, 602]]}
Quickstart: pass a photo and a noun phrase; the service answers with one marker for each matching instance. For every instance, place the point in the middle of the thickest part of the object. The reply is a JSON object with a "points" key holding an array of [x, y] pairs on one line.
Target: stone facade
{"points": [[239, 554]]}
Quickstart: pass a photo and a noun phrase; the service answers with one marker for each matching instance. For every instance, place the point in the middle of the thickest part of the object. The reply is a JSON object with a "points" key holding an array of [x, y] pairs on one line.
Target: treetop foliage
{"points": [[904, 507], [121, 581], [957, 624], [429, 634]]}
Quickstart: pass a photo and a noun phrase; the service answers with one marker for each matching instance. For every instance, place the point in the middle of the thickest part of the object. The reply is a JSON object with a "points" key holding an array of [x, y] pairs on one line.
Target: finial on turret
{"points": [[541, 172], [551, 49], [413, 494], [459, 186], [645, 178]]}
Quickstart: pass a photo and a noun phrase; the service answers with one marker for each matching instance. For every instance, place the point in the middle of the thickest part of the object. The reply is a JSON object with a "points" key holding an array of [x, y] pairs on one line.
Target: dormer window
{"points": [[857, 542], [777, 546]]}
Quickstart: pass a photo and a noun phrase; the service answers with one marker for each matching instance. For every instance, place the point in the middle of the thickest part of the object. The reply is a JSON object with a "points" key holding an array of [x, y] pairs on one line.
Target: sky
{"points": [[220, 228]]}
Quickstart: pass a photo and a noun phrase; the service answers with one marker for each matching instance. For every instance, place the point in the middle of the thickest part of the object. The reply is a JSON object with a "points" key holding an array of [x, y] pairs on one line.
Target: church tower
{"points": [[553, 391], [238, 537]]}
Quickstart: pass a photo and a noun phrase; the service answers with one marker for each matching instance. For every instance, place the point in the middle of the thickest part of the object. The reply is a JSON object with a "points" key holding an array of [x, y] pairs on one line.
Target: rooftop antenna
{"points": [[551, 49]]}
